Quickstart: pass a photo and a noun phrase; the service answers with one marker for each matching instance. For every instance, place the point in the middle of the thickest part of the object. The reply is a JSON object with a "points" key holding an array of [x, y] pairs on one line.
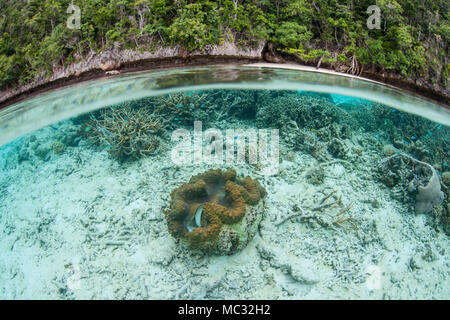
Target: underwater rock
{"points": [[23, 155], [42, 152], [216, 211], [414, 177], [337, 149], [58, 147], [315, 175]]}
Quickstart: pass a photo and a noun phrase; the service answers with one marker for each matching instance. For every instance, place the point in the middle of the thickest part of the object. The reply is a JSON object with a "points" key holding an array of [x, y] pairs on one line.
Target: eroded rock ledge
{"points": [[115, 60]]}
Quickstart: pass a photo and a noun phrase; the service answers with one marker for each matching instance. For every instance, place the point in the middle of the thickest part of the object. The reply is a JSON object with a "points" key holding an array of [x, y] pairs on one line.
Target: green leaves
{"points": [[292, 35], [203, 27], [34, 37]]}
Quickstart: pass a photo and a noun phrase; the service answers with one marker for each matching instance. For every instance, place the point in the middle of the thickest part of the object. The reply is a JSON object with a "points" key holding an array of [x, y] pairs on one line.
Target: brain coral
{"points": [[216, 211]]}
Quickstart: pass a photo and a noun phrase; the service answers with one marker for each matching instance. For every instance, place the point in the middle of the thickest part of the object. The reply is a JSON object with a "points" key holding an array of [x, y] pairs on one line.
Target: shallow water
{"points": [[355, 204]]}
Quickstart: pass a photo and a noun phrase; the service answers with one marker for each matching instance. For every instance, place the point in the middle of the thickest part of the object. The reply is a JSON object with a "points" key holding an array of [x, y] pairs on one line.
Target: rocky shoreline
{"points": [[116, 61]]}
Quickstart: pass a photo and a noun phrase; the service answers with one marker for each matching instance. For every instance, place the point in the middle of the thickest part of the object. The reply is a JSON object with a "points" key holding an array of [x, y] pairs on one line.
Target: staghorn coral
{"points": [[306, 111], [181, 108], [216, 211], [125, 132]]}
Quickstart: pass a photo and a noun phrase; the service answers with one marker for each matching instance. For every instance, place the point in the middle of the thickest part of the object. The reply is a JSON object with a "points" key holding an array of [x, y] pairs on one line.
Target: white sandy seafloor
{"points": [[82, 226]]}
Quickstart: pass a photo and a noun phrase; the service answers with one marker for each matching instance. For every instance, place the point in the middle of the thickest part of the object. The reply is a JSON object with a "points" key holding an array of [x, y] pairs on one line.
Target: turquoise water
{"points": [[347, 196]]}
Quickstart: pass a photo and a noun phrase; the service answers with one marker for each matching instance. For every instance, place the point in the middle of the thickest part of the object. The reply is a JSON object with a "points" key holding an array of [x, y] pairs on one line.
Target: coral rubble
{"points": [[216, 211]]}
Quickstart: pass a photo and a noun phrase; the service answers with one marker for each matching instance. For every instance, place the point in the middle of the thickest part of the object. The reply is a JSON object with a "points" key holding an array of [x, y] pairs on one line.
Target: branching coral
{"points": [[305, 111], [125, 132], [216, 211], [181, 107]]}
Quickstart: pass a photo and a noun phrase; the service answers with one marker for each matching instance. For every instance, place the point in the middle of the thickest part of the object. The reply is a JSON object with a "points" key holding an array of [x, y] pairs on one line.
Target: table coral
{"points": [[216, 211]]}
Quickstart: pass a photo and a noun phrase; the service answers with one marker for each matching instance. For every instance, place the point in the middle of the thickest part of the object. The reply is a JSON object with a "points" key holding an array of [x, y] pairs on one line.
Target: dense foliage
{"points": [[412, 40]]}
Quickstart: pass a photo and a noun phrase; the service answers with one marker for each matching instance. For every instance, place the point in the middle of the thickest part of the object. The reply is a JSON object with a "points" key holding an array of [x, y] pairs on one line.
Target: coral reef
{"points": [[337, 149], [324, 96], [180, 108], [424, 139], [335, 130], [306, 111], [42, 152], [309, 122], [442, 213], [410, 176], [58, 147], [216, 211], [126, 132], [54, 141], [389, 150]]}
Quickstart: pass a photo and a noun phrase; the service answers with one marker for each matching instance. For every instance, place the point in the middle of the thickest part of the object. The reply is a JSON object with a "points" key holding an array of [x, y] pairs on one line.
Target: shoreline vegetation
{"points": [[39, 52]]}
